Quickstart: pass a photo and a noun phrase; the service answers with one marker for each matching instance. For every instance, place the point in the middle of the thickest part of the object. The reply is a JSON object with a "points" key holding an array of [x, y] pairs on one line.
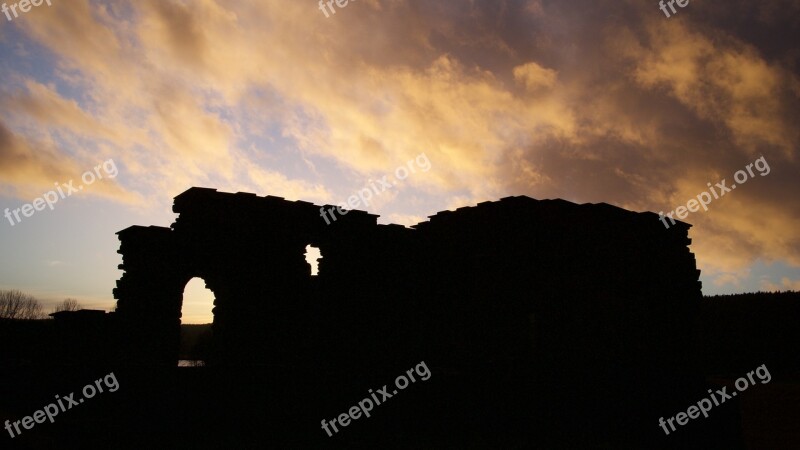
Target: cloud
{"points": [[786, 285], [267, 182], [24, 163], [44, 105], [725, 81], [30, 168], [534, 76]]}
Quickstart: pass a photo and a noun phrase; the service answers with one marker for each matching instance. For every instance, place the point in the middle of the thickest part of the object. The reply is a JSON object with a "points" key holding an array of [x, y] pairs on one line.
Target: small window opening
{"points": [[313, 255]]}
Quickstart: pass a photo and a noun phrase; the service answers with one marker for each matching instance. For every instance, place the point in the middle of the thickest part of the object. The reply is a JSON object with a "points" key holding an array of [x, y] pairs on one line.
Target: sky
{"points": [[586, 100]]}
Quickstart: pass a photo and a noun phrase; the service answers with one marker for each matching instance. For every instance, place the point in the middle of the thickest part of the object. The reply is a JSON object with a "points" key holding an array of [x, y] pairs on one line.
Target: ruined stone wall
{"points": [[504, 281]]}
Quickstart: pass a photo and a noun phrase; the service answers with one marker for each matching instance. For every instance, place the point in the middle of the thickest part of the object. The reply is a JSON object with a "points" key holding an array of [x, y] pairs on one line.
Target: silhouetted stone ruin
{"points": [[501, 281]]}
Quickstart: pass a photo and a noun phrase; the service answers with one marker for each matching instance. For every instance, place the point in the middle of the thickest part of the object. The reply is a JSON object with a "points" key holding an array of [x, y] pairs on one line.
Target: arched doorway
{"points": [[197, 317]]}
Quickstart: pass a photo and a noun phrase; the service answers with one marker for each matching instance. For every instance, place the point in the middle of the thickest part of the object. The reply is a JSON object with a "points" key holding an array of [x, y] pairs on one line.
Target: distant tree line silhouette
{"points": [[69, 304], [20, 306], [739, 331], [16, 305], [196, 342]]}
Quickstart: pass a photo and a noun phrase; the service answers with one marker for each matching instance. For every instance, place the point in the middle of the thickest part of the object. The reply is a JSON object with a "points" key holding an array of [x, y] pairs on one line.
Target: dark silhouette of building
{"points": [[504, 280], [82, 316]]}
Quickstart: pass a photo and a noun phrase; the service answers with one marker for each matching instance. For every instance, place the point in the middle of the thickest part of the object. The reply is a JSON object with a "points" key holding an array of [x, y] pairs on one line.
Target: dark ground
{"points": [[206, 408], [508, 405]]}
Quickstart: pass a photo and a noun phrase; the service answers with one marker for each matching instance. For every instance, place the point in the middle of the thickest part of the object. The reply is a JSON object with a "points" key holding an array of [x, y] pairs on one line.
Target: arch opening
{"points": [[197, 318]]}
